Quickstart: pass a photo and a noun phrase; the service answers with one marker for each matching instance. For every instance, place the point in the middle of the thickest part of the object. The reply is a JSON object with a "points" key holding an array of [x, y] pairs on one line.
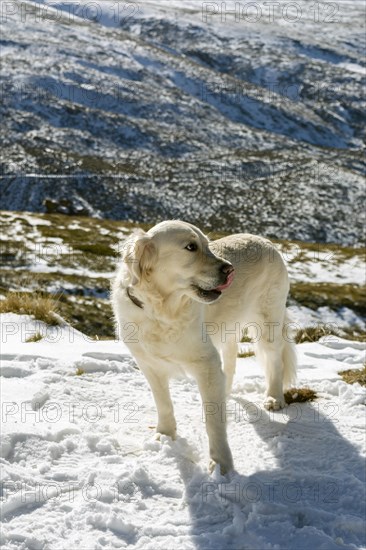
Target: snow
{"points": [[302, 317], [354, 68], [81, 467], [324, 267]]}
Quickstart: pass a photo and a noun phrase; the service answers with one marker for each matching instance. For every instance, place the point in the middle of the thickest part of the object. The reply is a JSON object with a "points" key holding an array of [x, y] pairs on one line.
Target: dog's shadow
{"points": [[315, 492]]}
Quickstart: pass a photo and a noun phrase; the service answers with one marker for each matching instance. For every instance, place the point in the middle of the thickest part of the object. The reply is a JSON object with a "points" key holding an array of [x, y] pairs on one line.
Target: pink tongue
{"points": [[230, 279]]}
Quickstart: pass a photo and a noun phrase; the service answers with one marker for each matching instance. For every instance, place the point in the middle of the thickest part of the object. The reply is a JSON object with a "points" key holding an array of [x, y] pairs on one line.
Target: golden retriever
{"points": [[181, 302]]}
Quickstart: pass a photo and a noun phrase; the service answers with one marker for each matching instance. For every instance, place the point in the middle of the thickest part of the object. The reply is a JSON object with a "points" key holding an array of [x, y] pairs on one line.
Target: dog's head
{"points": [[174, 257]]}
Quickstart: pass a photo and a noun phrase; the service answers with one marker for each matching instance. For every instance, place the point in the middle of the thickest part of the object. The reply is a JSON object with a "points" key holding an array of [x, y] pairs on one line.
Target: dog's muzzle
{"points": [[212, 294]]}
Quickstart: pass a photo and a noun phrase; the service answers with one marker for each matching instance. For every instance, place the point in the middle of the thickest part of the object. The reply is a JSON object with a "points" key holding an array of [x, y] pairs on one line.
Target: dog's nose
{"points": [[227, 268]]}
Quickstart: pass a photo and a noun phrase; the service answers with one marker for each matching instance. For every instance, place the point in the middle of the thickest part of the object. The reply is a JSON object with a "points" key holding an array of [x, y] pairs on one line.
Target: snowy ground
{"points": [[81, 468]]}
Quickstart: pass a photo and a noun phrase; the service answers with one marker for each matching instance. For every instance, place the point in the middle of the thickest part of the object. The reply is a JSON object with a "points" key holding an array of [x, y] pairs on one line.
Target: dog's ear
{"points": [[139, 254]]}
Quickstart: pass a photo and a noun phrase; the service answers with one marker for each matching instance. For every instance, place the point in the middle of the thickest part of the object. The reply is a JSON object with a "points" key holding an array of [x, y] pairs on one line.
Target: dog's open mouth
{"points": [[208, 295], [213, 294]]}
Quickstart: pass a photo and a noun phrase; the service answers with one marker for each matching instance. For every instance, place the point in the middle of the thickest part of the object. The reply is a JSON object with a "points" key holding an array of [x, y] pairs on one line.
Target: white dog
{"points": [[179, 300]]}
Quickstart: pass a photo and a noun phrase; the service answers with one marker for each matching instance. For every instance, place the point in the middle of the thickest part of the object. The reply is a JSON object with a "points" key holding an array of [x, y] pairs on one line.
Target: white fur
{"points": [[181, 327]]}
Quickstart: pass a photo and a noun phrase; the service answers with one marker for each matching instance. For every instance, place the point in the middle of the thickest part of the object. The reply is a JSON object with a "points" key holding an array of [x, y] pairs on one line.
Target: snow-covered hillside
{"points": [[147, 111], [74, 259], [81, 467]]}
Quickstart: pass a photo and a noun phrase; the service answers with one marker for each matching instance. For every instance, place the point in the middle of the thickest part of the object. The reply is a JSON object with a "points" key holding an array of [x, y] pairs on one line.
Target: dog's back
{"points": [[254, 304]]}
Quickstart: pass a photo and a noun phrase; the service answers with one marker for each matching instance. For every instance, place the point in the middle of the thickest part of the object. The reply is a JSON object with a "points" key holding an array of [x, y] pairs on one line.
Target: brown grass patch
{"points": [[35, 338], [314, 333], [333, 295], [299, 395], [244, 354], [352, 376], [43, 308]]}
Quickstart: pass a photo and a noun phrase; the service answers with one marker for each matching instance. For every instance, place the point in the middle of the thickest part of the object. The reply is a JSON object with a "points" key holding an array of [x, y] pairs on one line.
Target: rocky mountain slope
{"points": [[249, 120]]}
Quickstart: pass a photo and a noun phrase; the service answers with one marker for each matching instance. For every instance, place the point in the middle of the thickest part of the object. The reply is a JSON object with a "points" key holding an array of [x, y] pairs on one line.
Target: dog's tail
{"points": [[289, 358]]}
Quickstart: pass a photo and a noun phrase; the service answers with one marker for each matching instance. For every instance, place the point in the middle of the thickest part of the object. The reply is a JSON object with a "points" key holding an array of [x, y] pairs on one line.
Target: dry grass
{"points": [[79, 371], [333, 295], [299, 395], [43, 308], [314, 333], [353, 332], [354, 375], [35, 338], [244, 354]]}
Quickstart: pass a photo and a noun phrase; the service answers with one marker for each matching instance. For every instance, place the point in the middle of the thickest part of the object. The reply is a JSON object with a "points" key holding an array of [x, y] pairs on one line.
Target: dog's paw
{"points": [[211, 466], [169, 432], [223, 459], [224, 468], [273, 404]]}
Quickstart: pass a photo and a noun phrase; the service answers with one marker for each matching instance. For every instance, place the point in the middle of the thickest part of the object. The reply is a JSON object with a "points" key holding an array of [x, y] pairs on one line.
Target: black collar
{"points": [[133, 299]]}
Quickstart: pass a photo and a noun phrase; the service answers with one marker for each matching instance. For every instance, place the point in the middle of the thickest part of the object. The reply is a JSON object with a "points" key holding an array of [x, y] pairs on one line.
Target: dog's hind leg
{"points": [[269, 351], [160, 388], [273, 349], [270, 355]]}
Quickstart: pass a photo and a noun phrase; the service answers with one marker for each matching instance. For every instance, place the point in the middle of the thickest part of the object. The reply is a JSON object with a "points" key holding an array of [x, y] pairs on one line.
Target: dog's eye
{"points": [[192, 247]]}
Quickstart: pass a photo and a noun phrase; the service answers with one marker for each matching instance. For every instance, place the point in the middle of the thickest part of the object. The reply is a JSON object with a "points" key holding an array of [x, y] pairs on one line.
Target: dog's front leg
{"points": [[160, 388], [211, 384]]}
